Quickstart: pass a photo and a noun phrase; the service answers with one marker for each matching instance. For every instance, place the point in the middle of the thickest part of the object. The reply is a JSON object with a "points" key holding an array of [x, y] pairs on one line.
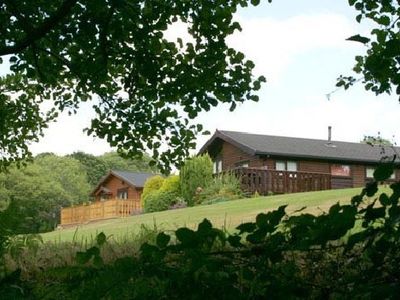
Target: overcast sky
{"points": [[300, 47]]}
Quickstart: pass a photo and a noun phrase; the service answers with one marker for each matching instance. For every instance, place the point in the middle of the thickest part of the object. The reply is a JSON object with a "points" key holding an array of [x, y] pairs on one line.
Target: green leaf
{"points": [[356, 238], [256, 237], [384, 200], [358, 38], [374, 213], [234, 241], [384, 20], [93, 251], [186, 236], [101, 238], [162, 240], [246, 227], [204, 227], [262, 220], [371, 188], [82, 257], [383, 171]]}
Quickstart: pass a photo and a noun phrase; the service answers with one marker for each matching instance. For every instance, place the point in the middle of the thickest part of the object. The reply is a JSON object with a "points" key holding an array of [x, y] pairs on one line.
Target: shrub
{"points": [[159, 201], [165, 196], [222, 188], [195, 175], [171, 184], [151, 185]]}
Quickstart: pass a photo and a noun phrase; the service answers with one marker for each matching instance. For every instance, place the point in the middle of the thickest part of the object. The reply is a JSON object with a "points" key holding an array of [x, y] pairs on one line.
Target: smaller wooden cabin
{"points": [[116, 195], [121, 185]]}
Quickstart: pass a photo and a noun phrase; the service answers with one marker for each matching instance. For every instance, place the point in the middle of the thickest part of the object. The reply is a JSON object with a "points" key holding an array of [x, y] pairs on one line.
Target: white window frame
{"points": [[122, 194], [284, 165], [369, 172], [242, 164], [281, 164], [217, 165], [291, 163]]}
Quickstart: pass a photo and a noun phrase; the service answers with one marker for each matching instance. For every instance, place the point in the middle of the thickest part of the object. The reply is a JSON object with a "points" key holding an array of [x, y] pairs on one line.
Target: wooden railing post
{"points": [[263, 181]]}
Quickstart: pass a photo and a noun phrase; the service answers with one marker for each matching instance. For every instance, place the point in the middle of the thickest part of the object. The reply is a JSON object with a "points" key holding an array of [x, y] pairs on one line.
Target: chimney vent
{"points": [[329, 133]]}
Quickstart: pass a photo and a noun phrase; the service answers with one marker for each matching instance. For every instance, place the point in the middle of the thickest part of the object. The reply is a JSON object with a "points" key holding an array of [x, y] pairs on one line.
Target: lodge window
{"points": [[217, 165], [369, 173], [242, 164], [281, 165], [340, 170], [122, 194]]}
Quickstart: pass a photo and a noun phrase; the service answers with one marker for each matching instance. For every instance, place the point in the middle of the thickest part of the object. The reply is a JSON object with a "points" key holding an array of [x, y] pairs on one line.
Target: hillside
{"points": [[228, 214]]}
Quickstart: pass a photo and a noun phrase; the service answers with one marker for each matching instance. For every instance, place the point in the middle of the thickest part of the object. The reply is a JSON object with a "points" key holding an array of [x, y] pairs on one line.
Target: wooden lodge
{"points": [[116, 195], [275, 164]]}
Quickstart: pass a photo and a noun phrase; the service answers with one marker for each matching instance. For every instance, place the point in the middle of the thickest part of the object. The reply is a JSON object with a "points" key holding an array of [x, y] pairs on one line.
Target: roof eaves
{"points": [[229, 139], [329, 158], [242, 146], [208, 143], [104, 178], [115, 173], [93, 192]]}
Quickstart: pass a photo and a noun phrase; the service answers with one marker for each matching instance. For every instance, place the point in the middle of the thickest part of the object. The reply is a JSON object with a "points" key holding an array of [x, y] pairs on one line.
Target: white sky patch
{"points": [[177, 30], [274, 44], [66, 135]]}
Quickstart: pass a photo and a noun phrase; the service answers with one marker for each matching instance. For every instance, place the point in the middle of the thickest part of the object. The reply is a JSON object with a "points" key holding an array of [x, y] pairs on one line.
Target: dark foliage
{"points": [[147, 88], [350, 252], [380, 66]]}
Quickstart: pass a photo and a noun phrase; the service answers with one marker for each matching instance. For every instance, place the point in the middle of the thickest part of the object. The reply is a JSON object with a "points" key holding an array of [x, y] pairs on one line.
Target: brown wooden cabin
{"points": [[116, 195], [280, 164], [121, 185]]}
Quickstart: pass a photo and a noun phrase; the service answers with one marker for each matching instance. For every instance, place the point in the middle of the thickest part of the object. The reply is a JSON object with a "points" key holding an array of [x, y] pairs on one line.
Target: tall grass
{"points": [[31, 255]]}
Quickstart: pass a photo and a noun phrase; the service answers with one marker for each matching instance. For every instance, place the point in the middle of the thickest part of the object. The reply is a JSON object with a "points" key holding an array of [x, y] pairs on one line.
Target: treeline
{"points": [[50, 182]]}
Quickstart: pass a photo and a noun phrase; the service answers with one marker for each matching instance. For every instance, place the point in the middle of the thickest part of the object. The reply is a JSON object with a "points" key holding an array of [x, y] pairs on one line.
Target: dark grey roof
{"points": [[136, 179], [302, 148]]}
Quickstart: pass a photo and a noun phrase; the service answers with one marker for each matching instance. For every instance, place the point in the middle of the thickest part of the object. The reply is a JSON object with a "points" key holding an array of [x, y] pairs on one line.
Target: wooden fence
{"points": [[99, 210], [271, 181]]}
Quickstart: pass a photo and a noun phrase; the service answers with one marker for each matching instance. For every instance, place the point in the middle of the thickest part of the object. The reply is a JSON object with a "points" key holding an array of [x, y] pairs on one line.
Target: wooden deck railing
{"points": [[271, 181], [99, 210]]}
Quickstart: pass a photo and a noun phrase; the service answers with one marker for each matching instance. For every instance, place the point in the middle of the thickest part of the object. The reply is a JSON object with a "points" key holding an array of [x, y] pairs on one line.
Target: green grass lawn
{"points": [[225, 214]]}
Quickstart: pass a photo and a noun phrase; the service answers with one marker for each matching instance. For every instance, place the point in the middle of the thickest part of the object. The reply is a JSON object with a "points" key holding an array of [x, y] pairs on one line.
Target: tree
{"points": [[114, 161], [4, 193], [69, 173], [195, 175], [40, 189], [376, 140], [146, 89], [94, 167], [380, 66]]}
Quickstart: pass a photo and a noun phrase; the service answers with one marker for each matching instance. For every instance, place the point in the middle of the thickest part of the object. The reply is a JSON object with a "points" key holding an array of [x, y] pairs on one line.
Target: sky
{"points": [[300, 47]]}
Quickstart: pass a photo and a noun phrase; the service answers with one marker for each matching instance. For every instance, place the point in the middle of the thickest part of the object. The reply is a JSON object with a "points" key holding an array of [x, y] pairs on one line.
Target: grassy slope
{"points": [[229, 214]]}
